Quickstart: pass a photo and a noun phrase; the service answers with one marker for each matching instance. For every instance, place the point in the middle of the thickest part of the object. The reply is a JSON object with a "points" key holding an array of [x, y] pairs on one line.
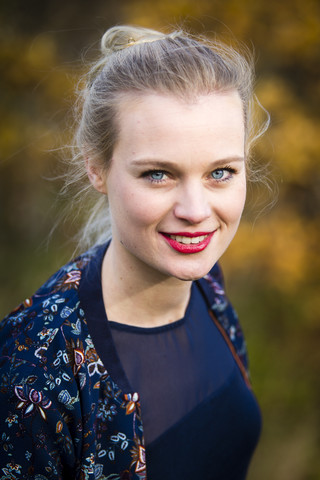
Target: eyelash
{"points": [[228, 169], [225, 169]]}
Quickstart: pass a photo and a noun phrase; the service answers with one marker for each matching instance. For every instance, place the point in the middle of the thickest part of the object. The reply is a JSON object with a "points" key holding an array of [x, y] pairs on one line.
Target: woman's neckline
{"points": [[114, 325]]}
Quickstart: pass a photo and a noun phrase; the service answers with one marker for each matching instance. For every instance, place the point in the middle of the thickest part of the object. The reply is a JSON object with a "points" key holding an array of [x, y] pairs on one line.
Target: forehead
{"points": [[154, 122]]}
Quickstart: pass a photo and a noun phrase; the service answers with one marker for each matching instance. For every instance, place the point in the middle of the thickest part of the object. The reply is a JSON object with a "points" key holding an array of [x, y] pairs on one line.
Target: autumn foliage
{"points": [[272, 267]]}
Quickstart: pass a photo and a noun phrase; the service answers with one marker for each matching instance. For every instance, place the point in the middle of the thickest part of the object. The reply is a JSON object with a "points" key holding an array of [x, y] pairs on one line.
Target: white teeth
{"points": [[187, 240], [198, 239]]}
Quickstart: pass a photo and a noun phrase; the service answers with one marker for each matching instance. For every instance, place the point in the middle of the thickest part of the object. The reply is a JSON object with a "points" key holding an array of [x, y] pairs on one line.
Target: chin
{"points": [[191, 269], [189, 279], [192, 275]]}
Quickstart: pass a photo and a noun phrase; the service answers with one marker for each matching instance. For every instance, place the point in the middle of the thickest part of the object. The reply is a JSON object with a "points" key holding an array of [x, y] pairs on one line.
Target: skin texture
{"points": [[178, 167]]}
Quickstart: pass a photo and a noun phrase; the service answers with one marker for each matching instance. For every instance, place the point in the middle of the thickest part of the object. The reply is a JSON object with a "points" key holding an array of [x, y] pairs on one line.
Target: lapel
{"points": [[225, 317]]}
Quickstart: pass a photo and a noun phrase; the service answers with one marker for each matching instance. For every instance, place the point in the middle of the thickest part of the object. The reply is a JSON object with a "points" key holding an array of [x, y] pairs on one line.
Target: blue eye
{"points": [[223, 174], [218, 174], [157, 175]]}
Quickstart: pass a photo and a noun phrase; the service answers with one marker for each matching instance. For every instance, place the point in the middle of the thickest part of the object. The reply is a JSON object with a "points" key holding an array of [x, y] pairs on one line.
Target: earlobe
{"points": [[96, 176]]}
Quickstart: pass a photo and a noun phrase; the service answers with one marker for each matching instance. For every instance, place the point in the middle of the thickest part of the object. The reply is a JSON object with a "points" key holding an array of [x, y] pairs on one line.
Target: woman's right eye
{"points": [[155, 176]]}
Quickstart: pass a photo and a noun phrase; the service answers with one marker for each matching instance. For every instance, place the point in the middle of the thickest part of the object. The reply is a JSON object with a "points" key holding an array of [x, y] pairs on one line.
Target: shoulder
{"points": [[60, 288], [37, 321], [54, 387], [45, 347]]}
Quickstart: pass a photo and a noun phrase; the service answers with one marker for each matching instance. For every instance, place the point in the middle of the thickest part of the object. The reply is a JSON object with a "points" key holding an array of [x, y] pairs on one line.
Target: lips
{"points": [[185, 242], [188, 240]]}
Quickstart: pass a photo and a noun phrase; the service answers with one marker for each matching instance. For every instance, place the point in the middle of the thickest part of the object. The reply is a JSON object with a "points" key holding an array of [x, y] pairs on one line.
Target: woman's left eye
{"points": [[221, 174]]}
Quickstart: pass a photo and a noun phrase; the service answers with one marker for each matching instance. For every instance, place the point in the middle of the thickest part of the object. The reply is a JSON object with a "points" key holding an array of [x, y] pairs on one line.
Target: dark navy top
{"points": [[200, 419], [82, 397]]}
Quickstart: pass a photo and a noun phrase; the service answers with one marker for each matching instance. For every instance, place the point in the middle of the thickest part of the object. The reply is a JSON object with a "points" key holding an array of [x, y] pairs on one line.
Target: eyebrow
{"points": [[163, 164]]}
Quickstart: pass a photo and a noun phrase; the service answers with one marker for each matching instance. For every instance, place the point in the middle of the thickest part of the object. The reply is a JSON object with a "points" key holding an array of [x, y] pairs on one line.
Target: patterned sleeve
{"points": [[39, 431]]}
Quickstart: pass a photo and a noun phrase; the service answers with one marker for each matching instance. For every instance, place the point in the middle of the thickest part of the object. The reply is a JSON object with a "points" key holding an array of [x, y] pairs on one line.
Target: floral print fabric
{"points": [[62, 415]]}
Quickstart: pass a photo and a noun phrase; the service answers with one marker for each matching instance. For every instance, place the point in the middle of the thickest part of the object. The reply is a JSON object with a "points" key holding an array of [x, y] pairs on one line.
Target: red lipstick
{"points": [[175, 240]]}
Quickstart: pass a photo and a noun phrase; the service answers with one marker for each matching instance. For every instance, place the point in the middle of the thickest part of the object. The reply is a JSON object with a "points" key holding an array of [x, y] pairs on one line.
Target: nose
{"points": [[192, 204]]}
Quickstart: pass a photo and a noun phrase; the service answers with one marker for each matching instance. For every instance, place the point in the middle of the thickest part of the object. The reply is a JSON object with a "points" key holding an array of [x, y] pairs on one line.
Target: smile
{"points": [[184, 242], [188, 240]]}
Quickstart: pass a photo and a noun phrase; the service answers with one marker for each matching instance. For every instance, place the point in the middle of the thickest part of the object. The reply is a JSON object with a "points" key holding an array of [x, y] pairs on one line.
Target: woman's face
{"points": [[177, 184]]}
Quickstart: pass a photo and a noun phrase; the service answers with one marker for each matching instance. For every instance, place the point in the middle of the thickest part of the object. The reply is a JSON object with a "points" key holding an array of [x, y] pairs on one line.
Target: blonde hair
{"points": [[138, 61]]}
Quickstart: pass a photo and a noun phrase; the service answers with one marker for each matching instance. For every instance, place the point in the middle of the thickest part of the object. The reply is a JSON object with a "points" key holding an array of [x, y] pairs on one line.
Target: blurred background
{"points": [[272, 267]]}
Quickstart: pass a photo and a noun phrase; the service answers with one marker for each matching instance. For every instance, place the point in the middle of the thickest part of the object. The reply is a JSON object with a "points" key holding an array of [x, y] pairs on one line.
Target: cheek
{"points": [[135, 208], [232, 205]]}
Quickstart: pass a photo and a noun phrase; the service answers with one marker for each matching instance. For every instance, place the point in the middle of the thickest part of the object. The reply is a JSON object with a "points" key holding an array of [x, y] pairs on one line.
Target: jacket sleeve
{"points": [[38, 419]]}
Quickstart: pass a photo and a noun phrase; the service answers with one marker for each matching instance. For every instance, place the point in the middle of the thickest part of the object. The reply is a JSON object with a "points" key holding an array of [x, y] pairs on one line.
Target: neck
{"points": [[156, 299]]}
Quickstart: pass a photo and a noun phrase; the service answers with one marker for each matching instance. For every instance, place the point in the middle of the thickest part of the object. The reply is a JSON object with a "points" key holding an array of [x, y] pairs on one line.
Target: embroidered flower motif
{"points": [[47, 333], [20, 347], [59, 426], [50, 313], [141, 463], [64, 397], [108, 390], [67, 400], [28, 455], [106, 412], [66, 312], [94, 363], [76, 327], [138, 455], [11, 419], [87, 470], [78, 360], [90, 459], [111, 412], [119, 440], [50, 334], [7, 381], [31, 400], [51, 381], [50, 469], [75, 355], [220, 302], [5, 443], [10, 469], [132, 400], [98, 470], [71, 280]]}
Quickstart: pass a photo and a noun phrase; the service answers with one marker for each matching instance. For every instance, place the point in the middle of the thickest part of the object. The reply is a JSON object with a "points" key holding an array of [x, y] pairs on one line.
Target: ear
{"points": [[96, 176]]}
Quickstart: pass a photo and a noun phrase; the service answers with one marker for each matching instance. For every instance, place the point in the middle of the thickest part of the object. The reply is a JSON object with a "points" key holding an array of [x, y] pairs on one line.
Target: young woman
{"points": [[129, 362]]}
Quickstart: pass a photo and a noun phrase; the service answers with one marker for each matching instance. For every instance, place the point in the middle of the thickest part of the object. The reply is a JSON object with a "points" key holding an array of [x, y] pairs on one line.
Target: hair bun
{"points": [[123, 36]]}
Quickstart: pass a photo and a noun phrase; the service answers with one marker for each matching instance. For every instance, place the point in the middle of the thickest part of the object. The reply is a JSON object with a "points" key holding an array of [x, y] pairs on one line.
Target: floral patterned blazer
{"points": [[62, 414]]}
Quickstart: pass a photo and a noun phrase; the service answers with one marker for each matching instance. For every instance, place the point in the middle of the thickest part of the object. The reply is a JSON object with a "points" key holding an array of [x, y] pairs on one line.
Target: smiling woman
{"points": [[130, 361], [190, 141]]}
